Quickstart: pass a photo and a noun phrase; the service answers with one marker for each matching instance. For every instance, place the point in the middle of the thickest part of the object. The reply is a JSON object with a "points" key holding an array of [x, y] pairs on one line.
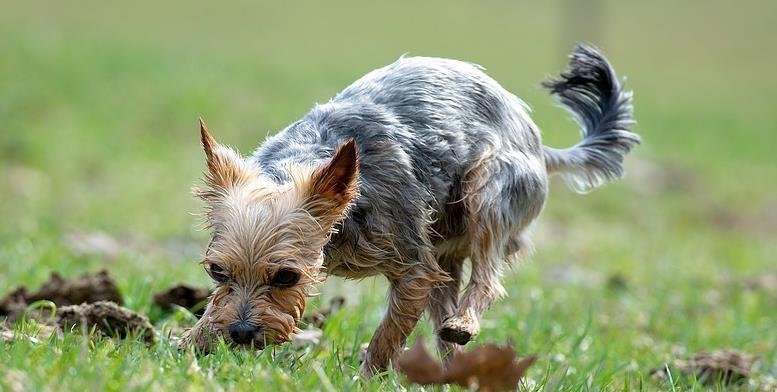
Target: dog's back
{"points": [[448, 99], [422, 125]]}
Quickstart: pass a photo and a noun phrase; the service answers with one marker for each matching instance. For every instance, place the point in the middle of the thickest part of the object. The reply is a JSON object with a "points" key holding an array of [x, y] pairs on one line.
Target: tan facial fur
{"points": [[266, 252]]}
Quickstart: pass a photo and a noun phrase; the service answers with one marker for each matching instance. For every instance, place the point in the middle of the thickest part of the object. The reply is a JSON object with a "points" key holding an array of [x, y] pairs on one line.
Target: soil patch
{"points": [[88, 288], [189, 297], [726, 367], [107, 318]]}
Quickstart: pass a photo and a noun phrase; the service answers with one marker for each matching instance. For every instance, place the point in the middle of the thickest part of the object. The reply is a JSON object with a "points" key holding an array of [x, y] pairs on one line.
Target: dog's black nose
{"points": [[242, 332]]}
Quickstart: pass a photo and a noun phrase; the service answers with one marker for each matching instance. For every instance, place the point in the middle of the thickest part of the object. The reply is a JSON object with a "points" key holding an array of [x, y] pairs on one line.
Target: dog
{"points": [[408, 172]]}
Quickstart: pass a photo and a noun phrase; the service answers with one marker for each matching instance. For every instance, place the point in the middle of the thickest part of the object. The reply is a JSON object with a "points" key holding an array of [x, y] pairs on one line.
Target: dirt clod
{"points": [[727, 367], [107, 317], [14, 303], [485, 368], [88, 288], [183, 295]]}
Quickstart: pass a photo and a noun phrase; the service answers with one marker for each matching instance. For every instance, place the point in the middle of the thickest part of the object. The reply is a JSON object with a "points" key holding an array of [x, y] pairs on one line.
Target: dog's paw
{"points": [[459, 330]]}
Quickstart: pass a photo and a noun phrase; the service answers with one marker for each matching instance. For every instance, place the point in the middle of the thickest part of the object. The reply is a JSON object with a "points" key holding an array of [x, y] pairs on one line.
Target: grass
{"points": [[98, 110]]}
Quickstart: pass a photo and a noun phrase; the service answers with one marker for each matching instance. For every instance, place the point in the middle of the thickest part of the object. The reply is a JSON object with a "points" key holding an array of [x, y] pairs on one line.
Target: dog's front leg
{"points": [[408, 297], [202, 335]]}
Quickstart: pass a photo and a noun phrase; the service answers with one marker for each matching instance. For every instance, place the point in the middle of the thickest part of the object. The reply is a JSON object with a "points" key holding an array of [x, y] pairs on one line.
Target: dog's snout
{"points": [[243, 332]]}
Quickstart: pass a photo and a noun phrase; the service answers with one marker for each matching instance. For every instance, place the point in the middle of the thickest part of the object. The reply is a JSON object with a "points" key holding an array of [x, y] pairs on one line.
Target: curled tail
{"points": [[590, 91]]}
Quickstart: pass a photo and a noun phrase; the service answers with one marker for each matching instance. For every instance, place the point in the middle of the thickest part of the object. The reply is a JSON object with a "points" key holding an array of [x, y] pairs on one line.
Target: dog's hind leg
{"points": [[504, 195], [482, 290], [444, 300]]}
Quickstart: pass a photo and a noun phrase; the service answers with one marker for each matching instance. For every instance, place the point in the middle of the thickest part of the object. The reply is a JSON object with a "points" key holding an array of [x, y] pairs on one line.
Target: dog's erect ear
{"points": [[226, 168], [209, 144], [333, 186]]}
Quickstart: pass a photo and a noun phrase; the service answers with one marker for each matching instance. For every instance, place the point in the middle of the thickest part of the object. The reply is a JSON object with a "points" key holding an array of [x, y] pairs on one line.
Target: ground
{"points": [[99, 148]]}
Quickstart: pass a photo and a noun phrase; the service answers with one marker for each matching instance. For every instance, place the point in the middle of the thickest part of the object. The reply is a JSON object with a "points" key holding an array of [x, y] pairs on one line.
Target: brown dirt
{"points": [[92, 300], [88, 288], [14, 303], [183, 295], [108, 318], [727, 367]]}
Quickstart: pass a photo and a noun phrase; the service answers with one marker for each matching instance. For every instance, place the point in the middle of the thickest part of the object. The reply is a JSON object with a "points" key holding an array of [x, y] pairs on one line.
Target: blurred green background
{"points": [[99, 149]]}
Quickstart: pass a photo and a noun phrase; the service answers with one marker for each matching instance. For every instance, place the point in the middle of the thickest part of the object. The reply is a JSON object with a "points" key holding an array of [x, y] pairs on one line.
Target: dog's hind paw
{"points": [[459, 330]]}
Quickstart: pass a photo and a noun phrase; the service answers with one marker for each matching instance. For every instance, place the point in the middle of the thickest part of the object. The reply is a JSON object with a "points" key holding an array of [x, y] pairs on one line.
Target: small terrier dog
{"points": [[410, 171]]}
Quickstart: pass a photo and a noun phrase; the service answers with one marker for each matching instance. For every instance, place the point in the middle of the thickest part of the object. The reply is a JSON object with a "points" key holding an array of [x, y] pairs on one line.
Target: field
{"points": [[99, 149]]}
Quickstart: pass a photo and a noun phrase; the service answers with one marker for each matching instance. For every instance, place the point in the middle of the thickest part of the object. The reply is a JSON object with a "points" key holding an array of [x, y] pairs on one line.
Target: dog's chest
{"points": [[338, 263]]}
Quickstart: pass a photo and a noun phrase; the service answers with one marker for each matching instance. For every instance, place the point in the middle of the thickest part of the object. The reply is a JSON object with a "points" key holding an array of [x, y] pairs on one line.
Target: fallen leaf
{"points": [[419, 366], [488, 368], [485, 368]]}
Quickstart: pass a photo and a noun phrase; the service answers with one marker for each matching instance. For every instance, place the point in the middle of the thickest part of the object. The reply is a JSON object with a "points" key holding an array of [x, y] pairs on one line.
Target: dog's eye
{"points": [[217, 273], [285, 278]]}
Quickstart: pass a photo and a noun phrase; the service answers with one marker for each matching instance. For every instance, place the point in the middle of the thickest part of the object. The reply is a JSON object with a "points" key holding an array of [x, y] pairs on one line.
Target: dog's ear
{"points": [[226, 169], [333, 186]]}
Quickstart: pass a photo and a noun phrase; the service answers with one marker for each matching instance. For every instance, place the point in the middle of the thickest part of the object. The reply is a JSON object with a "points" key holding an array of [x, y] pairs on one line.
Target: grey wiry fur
{"points": [[590, 90], [450, 167]]}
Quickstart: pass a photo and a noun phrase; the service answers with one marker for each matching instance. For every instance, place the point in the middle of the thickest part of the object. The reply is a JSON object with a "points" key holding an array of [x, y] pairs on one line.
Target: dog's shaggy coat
{"points": [[408, 172]]}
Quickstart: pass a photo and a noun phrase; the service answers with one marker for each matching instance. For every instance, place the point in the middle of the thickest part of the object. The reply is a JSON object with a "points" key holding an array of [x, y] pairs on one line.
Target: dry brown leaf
{"points": [[727, 367], [486, 368], [419, 366]]}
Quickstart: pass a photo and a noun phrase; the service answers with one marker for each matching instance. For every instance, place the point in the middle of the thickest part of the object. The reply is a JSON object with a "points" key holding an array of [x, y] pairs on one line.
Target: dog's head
{"points": [[266, 250]]}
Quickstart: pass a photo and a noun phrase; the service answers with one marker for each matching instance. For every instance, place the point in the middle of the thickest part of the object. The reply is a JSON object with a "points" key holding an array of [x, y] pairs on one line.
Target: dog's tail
{"points": [[590, 91]]}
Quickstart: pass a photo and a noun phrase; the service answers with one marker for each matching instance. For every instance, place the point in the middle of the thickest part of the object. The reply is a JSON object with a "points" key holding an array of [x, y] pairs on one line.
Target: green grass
{"points": [[98, 114]]}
